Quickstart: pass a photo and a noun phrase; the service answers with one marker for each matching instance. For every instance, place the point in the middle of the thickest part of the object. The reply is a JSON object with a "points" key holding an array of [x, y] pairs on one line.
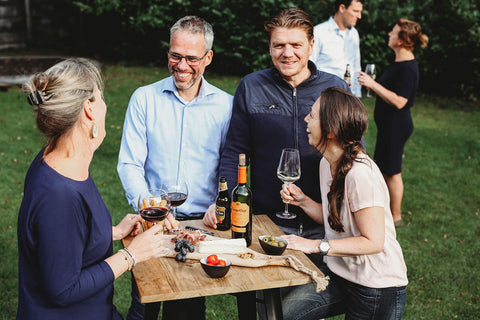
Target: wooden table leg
{"points": [[247, 305], [151, 311], [273, 304]]}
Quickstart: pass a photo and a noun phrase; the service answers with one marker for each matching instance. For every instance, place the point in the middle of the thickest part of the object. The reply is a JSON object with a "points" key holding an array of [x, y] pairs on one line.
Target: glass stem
{"points": [[286, 208]]}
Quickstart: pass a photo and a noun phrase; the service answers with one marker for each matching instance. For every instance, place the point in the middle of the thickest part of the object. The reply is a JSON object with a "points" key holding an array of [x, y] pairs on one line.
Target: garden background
{"points": [[130, 38]]}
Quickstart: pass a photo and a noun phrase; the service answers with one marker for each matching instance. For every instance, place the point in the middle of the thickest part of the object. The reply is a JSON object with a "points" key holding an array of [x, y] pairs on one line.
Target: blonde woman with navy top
{"points": [[65, 235]]}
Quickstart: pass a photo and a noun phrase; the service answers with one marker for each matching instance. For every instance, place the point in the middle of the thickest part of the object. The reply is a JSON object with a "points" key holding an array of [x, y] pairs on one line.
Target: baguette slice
{"points": [[227, 246]]}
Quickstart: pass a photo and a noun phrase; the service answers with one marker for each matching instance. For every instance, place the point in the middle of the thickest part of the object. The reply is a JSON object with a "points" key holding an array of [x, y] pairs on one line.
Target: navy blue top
{"points": [[64, 235], [268, 115]]}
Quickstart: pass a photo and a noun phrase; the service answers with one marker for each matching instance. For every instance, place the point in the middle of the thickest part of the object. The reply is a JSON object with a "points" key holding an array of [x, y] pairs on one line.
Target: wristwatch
{"points": [[324, 247]]}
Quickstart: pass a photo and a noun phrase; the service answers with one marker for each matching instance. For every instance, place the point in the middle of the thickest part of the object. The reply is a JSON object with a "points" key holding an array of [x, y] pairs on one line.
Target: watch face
{"points": [[324, 246]]}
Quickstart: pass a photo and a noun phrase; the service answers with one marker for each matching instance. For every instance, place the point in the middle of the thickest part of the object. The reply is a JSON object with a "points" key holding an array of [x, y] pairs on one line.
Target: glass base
{"points": [[286, 215]]}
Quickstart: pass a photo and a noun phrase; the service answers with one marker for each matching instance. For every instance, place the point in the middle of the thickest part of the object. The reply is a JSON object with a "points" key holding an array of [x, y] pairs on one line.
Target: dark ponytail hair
{"points": [[343, 115]]}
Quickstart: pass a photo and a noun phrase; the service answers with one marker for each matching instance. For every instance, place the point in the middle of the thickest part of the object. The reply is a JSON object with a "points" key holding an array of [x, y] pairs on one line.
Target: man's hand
{"points": [[210, 217], [171, 223]]}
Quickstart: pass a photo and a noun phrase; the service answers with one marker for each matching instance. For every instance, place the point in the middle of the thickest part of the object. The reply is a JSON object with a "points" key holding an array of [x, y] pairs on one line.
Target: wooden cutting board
{"points": [[257, 260]]}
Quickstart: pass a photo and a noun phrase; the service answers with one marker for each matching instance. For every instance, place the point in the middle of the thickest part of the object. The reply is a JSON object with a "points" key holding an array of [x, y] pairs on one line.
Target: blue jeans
{"points": [[342, 296], [312, 233]]}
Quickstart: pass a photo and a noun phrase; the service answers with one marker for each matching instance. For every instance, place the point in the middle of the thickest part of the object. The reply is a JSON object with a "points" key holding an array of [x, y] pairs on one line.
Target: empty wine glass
{"points": [[153, 206], [370, 70], [177, 191], [288, 171]]}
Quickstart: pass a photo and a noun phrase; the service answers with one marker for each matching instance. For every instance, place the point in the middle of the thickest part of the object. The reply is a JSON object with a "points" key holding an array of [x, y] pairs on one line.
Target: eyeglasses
{"points": [[191, 61]]}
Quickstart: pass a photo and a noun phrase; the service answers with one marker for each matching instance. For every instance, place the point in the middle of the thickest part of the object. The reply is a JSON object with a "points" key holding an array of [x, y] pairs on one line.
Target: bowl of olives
{"points": [[272, 245]]}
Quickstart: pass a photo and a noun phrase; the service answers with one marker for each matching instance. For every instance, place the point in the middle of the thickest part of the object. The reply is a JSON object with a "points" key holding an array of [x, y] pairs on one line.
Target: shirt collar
{"points": [[205, 88], [332, 25]]}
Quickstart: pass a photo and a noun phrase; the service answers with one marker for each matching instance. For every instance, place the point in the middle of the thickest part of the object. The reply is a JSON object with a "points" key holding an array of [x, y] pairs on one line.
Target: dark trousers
{"points": [[193, 308]]}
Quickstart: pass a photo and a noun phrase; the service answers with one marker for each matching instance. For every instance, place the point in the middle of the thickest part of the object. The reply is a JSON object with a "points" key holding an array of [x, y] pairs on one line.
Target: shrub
{"points": [[139, 31]]}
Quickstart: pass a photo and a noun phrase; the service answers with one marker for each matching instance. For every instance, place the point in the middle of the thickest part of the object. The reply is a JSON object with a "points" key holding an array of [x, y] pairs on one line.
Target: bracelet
{"points": [[128, 257], [131, 256]]}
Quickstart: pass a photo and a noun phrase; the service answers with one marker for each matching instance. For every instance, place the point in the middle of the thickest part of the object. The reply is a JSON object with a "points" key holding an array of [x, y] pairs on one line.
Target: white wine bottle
{"points": [[242, 204]]}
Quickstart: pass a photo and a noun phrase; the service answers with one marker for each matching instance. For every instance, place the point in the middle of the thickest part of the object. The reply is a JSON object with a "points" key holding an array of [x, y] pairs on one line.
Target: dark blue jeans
{"points": [[342, 296]]}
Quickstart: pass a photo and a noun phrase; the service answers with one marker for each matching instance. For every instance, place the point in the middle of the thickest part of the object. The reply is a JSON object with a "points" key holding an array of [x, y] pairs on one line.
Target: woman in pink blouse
{"points": [[364, 261]]}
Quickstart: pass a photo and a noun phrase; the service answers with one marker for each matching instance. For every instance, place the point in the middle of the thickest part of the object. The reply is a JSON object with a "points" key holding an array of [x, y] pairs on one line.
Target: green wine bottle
{"points": [[242, 204]]}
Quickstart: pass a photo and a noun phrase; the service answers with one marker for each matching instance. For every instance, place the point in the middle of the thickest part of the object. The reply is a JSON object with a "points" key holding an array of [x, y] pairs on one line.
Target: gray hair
{"points": [[194, 25], [64, 88]]}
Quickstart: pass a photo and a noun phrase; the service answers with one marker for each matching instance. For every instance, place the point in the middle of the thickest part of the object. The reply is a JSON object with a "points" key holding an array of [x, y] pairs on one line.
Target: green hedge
{"points": [[139, 30]]}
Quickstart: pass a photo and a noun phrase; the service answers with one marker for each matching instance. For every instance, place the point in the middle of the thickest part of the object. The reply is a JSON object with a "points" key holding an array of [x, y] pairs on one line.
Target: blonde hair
{"points": [[290, 18], [64, 88], [411, 34]]}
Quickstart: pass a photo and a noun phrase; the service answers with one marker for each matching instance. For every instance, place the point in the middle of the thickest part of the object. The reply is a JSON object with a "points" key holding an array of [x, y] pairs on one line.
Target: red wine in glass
{"points": [[176, 198], [153, 206], [177, 192], [154, 214]]}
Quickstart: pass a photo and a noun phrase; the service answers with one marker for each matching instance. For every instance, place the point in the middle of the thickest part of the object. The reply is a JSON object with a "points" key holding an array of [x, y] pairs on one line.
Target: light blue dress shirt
{"points": [[334, 49], [165, 137]]}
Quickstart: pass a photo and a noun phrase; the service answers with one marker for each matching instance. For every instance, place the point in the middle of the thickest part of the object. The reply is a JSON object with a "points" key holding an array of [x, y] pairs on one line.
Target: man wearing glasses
{"points": [[176, 127]]}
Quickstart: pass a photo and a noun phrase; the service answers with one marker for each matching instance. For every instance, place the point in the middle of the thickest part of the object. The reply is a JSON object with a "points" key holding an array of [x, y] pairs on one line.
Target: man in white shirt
{"points": [[337, 42]]}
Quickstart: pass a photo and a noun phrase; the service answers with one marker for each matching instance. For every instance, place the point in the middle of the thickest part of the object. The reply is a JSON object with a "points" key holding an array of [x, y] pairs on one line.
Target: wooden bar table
{"points": [[162, 279]]}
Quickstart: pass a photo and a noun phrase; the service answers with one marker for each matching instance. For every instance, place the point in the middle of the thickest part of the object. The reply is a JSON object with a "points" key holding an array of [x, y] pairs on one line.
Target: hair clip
{"points": [[35, 98]]}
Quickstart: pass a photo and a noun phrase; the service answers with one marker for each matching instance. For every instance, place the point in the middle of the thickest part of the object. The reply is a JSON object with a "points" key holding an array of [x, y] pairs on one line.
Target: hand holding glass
{"points": [[288, 171], [370, 70]]}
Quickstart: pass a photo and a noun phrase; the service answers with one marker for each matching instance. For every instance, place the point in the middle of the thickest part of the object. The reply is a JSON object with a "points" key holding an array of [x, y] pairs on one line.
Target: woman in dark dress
{"points": [[66, 262], [396, 90]]}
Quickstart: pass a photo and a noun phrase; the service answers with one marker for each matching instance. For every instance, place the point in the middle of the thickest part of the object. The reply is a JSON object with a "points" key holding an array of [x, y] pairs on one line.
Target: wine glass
{"points": [[288, 171], [153, 206], [177, 191], [370, 70]]}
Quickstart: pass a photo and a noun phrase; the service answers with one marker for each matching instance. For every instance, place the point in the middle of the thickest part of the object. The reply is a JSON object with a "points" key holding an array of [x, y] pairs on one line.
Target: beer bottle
{"points": [[242, 204], [347, 76], [223, 204]]}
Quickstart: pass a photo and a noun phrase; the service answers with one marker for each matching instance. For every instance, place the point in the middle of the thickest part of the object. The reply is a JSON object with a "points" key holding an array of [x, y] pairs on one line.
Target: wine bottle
{"points": [[242, 204], [347, 76], [223, 204]]}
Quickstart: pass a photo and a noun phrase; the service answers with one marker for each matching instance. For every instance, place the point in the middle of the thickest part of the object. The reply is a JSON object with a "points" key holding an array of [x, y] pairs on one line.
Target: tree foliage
{"points": [[139, 30]]}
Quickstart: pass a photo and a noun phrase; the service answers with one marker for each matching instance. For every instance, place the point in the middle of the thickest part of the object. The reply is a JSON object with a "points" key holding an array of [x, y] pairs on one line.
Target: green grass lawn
{"points": [[442, 200]]}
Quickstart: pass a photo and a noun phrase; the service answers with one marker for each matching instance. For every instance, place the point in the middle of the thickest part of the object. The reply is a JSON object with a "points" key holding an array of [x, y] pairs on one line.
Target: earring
{"points": [[94, 131]]}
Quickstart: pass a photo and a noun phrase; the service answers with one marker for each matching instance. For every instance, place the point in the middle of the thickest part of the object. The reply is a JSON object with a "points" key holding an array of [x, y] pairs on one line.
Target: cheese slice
{"points": [[228, 246]]}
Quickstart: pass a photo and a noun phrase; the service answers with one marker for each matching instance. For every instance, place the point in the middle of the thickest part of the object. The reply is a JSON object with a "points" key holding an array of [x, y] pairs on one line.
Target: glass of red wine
{"points": [[177, 192], [154, 206]]}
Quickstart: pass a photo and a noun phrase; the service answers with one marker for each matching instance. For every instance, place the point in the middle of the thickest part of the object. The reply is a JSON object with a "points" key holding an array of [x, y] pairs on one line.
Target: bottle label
{"points": [[221, 214], [223, 186], [240, 216]]}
